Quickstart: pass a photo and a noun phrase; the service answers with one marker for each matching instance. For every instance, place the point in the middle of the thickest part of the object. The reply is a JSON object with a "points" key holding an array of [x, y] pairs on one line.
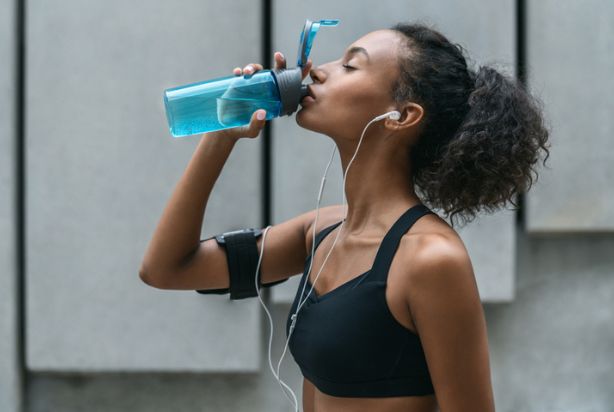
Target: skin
{"points": [[431, 285]]}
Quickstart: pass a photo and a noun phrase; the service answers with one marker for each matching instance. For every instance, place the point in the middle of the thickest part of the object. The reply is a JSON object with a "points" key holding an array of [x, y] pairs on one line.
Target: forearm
{"points": [[177, 234]]}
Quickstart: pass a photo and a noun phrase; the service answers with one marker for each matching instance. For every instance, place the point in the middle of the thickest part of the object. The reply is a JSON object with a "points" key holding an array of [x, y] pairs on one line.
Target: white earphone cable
{"points": [[276, 374]]}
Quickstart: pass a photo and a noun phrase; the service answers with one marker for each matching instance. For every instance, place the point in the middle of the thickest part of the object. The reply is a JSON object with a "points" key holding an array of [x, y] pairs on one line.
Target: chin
{"points": [[300, 119], [310, 121]]}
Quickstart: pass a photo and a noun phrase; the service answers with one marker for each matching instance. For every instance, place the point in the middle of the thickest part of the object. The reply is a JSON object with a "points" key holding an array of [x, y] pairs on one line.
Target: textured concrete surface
{"points": [[551, 349], [10, 387], [570, 67], [101, 166], [164, 392], [300, 156]]}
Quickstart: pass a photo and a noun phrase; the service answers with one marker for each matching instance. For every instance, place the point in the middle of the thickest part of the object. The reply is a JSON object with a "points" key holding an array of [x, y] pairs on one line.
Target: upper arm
{"points": [[445, 305], [284, 256]]}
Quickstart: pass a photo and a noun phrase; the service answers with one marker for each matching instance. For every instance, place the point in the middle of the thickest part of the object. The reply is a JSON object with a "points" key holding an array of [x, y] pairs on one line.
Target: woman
{"points": [[408, 333]]}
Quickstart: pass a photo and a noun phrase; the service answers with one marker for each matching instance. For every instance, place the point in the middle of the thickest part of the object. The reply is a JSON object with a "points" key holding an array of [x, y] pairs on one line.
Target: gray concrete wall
{"points": [[101, 166], [570, 68], [551, 349], [10, 386]]}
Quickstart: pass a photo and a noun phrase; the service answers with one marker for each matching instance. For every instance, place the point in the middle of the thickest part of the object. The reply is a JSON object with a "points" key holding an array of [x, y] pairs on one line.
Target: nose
{"points": [[317, 75]]}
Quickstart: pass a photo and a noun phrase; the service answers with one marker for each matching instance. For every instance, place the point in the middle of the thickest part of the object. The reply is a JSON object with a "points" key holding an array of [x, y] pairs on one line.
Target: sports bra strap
{"points": [[391, 241], [322, 233]]}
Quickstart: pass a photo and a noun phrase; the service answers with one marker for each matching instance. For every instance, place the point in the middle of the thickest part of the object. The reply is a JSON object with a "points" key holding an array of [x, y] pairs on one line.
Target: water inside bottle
{"points": [[210, 106], [233, 112]]}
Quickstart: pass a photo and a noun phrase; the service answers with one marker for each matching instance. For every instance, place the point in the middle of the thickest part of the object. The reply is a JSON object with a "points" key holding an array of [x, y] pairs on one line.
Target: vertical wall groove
{"points": [[266, 20], [521, 70], [20, 232]]}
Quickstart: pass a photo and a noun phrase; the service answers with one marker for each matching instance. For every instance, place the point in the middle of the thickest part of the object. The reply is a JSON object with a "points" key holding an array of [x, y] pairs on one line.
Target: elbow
{"points": [[148, 279], [144, 276]]}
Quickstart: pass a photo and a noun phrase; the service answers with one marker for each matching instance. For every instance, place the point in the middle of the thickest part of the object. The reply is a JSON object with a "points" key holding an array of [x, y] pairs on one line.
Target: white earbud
{"points": [[394, 115]]}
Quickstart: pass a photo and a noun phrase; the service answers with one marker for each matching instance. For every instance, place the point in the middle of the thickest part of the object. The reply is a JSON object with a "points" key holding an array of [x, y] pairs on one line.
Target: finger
{"points": [[236, 71], [259, 117], [255, 124], [280, 61], [252, 68], [307, 68]]}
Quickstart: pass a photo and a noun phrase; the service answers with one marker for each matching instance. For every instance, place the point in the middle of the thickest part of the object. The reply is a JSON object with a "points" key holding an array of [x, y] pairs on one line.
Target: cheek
{"points": [[354, 106], [358, 97], [343, 100], [347, 106]]}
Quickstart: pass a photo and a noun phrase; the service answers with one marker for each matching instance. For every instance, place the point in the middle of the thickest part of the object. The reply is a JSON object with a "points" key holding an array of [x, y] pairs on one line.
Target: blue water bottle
{"points": [[230, 101]]}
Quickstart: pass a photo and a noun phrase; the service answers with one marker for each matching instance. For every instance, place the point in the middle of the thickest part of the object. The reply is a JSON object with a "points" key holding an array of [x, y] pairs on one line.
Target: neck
{"points": [[378, 186]]}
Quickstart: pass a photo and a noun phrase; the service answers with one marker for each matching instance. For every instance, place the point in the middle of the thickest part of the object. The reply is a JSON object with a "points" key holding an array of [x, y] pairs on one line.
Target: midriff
{"points": [[316, 401]]}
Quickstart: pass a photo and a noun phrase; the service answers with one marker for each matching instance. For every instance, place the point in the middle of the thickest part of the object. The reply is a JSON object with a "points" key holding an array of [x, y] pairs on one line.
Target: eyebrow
{"points": [[357, 49]]}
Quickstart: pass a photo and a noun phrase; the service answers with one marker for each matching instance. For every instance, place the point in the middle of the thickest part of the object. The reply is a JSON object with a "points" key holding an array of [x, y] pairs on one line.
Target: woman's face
{"points": [[347, 98]]}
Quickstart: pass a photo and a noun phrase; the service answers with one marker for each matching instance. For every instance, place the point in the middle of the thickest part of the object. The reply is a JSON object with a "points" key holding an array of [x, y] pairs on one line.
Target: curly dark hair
{"points": [[482, 131]]}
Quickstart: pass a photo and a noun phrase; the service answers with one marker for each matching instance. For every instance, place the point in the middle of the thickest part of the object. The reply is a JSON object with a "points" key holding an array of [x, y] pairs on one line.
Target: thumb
{"points": [[307, 68], [256, 123]]}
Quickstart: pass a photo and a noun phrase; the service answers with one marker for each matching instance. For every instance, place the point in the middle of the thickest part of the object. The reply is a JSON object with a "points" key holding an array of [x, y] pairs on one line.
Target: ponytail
{"points": [[483, 131]]}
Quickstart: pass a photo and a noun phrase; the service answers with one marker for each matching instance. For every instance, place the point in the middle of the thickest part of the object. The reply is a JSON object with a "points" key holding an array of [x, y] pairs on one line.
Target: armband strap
{"points": [[242, 257]]}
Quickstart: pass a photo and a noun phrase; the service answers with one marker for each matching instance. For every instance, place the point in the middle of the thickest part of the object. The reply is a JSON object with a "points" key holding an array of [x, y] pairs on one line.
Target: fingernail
{"points": [[260, 115], [282, 55]]}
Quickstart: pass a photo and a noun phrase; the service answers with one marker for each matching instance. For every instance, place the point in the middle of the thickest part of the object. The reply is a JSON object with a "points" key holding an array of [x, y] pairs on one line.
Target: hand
{"points": [[280, 63], [255, 125]]}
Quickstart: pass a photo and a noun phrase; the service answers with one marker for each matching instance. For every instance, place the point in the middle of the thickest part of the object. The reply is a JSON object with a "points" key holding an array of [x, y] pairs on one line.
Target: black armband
{"points": [[242, 257]]}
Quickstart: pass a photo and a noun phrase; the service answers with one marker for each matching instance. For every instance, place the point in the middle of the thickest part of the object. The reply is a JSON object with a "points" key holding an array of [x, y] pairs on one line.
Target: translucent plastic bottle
{"points": [[230, 101]]}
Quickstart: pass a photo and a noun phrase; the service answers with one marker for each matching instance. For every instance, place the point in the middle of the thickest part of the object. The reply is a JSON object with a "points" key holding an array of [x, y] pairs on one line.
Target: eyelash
{"points": [[347, 67]]}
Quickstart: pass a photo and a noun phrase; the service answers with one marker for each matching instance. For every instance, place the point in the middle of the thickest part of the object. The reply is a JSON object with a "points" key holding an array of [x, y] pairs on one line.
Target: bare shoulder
{"points": [[442, 296], [433, 252], [437, 274]]}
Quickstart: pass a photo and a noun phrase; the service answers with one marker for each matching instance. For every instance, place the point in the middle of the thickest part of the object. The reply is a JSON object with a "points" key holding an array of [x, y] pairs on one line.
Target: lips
{"points": [[310, 92], [309, 97]]}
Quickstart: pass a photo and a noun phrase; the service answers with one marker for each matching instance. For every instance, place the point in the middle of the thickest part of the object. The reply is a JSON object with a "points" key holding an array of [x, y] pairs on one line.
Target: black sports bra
{"points": [[348, 343]]}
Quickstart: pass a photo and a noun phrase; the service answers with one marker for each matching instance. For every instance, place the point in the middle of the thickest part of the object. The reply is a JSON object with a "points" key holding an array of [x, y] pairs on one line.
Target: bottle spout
{"points": [[308, 35], [304, 92]]}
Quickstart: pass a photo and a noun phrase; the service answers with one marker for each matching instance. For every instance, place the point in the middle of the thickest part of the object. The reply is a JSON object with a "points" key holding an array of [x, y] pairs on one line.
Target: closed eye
{"points": [[347, 67]]}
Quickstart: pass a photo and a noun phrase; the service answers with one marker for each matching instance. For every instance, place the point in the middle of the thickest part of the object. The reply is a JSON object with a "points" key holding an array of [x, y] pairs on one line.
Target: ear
{"points": [[411, 115]]}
